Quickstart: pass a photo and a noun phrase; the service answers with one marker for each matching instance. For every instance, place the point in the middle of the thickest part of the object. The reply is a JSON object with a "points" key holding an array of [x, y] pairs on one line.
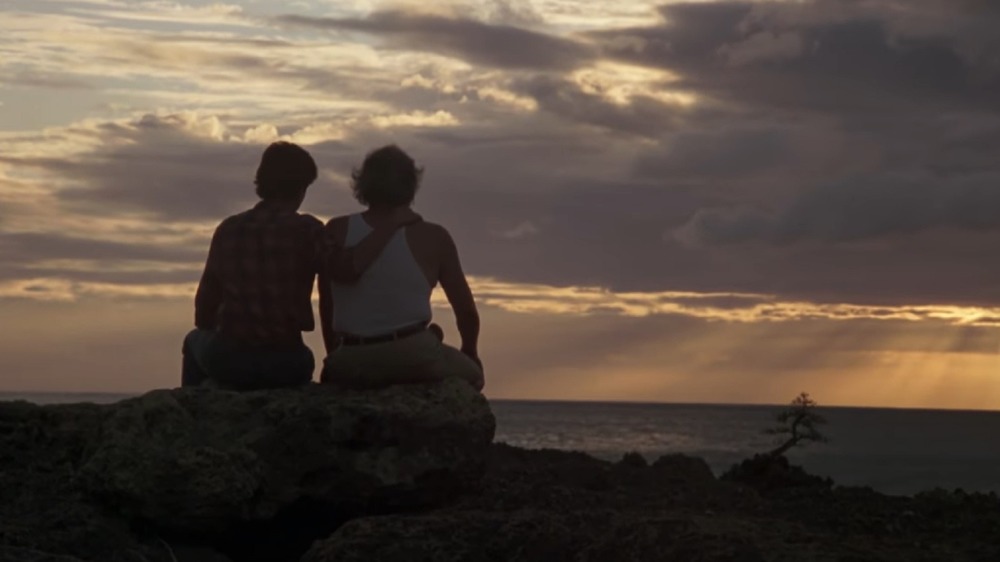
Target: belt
{"points": [[351, 339]]}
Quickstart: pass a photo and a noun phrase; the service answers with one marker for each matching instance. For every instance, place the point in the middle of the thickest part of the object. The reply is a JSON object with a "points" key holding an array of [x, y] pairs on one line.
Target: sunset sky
{"points": [[656, 201]]}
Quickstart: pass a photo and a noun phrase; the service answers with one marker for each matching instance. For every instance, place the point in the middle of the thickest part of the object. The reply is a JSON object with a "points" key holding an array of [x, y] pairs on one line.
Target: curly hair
{"points": [[388, 177], [285, 171]]}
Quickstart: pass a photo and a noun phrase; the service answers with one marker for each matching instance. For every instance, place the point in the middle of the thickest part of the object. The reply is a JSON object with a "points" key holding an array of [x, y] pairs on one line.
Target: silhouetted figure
{"points": [[254, 298], [377, 330]]}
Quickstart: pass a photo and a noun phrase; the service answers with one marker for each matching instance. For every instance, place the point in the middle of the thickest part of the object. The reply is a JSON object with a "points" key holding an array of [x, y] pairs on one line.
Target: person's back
{"points": [[376, 329], [393, 293], [254, 298], [264, 262]]}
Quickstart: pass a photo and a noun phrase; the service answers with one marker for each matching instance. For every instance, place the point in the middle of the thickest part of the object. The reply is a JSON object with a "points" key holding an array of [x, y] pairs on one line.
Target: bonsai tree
{"points": [[798, 422]]}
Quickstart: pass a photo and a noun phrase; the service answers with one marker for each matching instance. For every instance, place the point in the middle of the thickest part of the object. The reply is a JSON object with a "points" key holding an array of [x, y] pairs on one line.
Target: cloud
{"points": [[184, 166], [522, 230], [732, 152], [66, 290], [187, 171], [581, 301], [723, 307], [36, 247], [515, 13], [44, 80], [824, 55], [864, 208], [163, 11], [670, 358], [495, 45], [640, 115], [789, 149], [439, 118], [762, 47], [701, 197]]}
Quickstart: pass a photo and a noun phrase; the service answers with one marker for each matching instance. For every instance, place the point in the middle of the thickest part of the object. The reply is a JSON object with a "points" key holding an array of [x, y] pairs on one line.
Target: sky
{"points": [[715, 201]]}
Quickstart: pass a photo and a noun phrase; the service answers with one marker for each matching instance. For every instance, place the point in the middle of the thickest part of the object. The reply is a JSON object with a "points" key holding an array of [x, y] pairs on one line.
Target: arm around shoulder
{"points": [[347, 265]]}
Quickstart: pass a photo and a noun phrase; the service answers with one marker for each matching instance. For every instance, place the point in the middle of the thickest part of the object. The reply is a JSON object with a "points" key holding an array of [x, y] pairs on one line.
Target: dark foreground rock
{"points": [[552, 506], [253, 474], [766, 473], [408, 474], [44, 514]]}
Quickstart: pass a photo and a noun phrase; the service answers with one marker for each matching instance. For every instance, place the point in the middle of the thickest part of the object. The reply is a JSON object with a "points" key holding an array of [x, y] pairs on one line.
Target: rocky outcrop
{"points": [[769, 473], [560, 507], [223, 468], [408, 473], [529, 536], [44, 514]]}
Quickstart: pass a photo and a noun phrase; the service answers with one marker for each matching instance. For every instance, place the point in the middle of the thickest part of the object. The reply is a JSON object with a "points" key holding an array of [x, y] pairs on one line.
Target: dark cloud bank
{"points": [[837, 151]]}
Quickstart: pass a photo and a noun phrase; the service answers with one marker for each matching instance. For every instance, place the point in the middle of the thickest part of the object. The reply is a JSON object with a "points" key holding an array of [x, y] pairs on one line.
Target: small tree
{"points": [[798, 422]]}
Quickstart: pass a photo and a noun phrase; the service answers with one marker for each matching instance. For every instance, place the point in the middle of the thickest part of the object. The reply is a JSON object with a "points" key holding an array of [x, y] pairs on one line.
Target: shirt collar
{"points": [[273, 208]]}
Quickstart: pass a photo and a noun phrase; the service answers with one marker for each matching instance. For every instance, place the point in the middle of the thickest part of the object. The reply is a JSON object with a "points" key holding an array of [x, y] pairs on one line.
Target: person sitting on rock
{"points": [[377, 331], [254, 298]]}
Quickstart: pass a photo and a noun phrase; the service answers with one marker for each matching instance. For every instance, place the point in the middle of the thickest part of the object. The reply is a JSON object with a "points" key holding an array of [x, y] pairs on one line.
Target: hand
{"points": [[475, 358], [437, 331], [479, 381], [404, 216]]}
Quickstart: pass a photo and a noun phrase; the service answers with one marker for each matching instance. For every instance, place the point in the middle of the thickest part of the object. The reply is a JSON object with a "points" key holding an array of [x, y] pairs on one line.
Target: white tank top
{"points": [[392, 294]]}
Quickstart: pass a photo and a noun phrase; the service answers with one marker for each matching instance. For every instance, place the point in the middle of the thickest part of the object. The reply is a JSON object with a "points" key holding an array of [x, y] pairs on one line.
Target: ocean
{"points": [[895, 451]]}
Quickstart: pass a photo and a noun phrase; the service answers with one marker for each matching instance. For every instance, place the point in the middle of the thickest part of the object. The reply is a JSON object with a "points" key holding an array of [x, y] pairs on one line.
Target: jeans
{"points": [[210, 355]]}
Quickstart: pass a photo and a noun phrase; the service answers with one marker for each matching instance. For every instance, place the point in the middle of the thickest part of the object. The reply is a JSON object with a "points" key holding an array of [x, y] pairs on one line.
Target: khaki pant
{"points": [[421, 357]]}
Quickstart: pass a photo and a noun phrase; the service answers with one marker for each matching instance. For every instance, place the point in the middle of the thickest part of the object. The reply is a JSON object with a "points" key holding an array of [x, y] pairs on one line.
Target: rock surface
{"points": [[554, 507], [113, 482], [319, 475], [44, 515]]}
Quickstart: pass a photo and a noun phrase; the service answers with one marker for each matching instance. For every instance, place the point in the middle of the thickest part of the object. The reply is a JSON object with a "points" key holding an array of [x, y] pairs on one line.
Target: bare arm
{"points": [[330, 339], [346, 265], [208, 299], [456, 289]]}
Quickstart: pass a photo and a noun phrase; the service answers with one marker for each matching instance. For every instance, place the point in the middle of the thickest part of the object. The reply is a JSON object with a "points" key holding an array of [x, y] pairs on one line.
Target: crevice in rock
{"points": [[285, 537]]}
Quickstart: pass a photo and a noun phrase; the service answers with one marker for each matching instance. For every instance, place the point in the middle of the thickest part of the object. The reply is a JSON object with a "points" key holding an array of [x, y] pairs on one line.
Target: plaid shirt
{"points": [[258, 279]]}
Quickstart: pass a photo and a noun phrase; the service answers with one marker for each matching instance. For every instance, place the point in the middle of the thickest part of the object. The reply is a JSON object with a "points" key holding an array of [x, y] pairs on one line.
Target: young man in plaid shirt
{"points": [[255, 295]]}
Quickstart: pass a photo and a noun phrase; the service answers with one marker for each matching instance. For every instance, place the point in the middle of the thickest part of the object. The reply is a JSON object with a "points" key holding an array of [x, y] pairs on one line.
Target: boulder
{"points": [[179, 475], [684, 468], [196, 461], [769, 473], [44, 515]]}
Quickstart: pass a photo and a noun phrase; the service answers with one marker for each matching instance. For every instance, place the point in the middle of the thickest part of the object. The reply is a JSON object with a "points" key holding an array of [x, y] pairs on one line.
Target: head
{"points": [[387, 178], [285, 171]]}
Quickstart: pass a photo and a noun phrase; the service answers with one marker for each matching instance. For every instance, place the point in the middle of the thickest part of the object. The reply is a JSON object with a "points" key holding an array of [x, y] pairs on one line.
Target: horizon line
{"points": [[574, 401]]}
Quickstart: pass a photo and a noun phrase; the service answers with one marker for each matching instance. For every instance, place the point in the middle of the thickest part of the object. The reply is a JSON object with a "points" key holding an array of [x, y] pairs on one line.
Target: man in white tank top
{"points": [[375, 326]]}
